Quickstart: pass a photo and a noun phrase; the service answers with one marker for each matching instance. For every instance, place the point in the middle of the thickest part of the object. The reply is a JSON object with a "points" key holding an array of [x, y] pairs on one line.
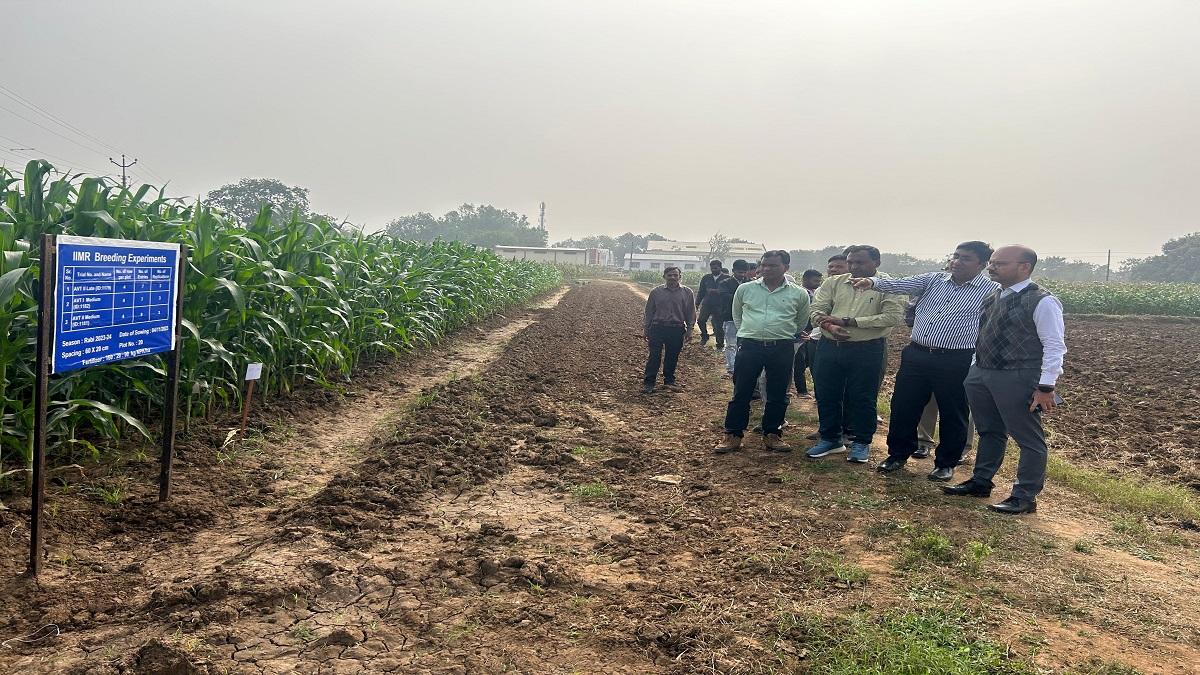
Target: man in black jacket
{"points": [[708, 302], [728, 286]]}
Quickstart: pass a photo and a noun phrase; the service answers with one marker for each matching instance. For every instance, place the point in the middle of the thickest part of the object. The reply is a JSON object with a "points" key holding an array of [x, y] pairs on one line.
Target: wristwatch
{"points": [[849, 322], [1045, 388]]}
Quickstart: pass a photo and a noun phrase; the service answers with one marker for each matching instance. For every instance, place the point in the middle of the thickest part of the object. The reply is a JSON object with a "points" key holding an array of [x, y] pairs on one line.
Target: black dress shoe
{"points": [[968, 488], [921, 452], [942, 473], [889, 465], [1014, 506], [647, 389]]}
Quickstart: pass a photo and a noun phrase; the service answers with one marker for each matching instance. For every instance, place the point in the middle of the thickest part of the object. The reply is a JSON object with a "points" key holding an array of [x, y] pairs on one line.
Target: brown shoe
{"points": [[730, 444], [774, 443]]}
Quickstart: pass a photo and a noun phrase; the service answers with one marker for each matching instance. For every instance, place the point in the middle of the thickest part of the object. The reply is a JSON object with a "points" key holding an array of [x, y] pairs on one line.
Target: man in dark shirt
{"points": [[808, 342], [728, 287], [670, 315], [708, 301]]}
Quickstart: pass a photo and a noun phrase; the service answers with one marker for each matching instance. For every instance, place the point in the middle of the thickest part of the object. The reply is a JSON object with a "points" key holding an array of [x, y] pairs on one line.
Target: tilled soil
{"points": [[541, 515]]}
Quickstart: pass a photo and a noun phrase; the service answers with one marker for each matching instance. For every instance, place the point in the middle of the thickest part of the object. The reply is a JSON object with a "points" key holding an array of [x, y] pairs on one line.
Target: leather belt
{"points": [[848, 343], [769, 343], [939, 350]]}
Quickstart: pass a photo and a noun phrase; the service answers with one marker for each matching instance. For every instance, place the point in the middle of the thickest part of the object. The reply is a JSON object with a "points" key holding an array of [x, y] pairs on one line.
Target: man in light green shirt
{"points": [[769, 312], [852, 351]]}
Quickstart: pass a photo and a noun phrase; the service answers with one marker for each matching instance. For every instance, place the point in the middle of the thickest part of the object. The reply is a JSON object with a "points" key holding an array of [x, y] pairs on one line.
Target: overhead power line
{"points": [[48, 129], [35, 107], [30, 105]]}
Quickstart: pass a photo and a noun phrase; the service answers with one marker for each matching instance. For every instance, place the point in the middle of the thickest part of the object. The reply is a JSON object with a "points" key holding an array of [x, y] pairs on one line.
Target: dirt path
{"points": [[538, 514]]}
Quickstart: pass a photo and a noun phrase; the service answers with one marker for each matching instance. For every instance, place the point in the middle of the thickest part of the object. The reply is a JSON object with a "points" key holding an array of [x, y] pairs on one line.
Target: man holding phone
{"points": [[1018, 359]]}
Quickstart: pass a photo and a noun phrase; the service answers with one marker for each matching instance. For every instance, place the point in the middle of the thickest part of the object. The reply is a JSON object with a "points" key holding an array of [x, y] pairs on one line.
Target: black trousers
{"points": [[923, 373], [662, 337], [753, 357], [713, 314], [848, 382], [798, 367]]}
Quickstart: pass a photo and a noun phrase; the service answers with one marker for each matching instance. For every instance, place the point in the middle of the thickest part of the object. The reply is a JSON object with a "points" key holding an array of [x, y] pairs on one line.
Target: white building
{"points": [[596, 257], [565, 256], [747, 251], [658, 261]]}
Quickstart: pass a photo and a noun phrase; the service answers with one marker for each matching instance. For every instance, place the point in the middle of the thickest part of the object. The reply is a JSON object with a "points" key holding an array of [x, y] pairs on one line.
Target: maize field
{"points": [[1078, 297], [308, 300]]}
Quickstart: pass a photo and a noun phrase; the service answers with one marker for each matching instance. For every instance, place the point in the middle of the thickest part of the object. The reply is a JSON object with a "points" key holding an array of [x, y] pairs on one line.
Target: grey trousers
{"points": [[999, 402], [928, 426]]}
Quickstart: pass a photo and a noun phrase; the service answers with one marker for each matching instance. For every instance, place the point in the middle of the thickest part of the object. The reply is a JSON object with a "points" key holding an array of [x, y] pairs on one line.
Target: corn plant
{"points": [[304, 298]]}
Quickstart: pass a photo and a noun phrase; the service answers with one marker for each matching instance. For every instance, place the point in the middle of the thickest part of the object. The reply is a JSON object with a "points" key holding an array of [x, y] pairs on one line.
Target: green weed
{"points": [[591, 491]]}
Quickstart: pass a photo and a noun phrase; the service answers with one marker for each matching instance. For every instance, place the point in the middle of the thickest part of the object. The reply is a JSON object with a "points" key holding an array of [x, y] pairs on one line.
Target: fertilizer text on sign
{"points": [[114, 300]]}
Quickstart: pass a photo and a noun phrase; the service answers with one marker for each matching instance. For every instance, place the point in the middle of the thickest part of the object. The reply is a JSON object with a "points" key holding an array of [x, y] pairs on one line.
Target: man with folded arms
{"points": [[769, 311], [1018, 359], [851, 354], [708, 303], [944, 331]]}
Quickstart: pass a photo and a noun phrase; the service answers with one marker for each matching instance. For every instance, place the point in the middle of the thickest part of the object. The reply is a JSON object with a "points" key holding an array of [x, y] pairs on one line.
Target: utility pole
{"points": [[123, 166], [1108, 265]]}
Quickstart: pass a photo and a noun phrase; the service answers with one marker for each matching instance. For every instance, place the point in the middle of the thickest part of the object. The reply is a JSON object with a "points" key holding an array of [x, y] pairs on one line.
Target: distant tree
{"points": [[621, 245], [718, 246], [632, 243], [480, 225], [245, 198], [1057, 267], [895, 264], [593, 241], [1180, 261]]}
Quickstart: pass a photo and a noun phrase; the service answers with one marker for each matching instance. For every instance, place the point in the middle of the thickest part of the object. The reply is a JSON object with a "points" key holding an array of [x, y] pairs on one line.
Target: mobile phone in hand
{"points": [[1058, 401]]}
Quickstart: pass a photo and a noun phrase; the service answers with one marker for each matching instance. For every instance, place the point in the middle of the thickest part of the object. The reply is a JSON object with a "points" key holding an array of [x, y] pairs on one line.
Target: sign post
{"points": [[102, 301], [41, 390]]}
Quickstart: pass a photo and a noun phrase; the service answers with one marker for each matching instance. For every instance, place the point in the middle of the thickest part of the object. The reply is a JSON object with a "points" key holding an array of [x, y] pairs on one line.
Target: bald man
{"points": [[1018, 359]]}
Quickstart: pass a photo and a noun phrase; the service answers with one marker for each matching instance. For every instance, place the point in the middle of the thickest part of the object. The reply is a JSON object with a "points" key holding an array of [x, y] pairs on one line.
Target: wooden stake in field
{"points": [[253, 372]]}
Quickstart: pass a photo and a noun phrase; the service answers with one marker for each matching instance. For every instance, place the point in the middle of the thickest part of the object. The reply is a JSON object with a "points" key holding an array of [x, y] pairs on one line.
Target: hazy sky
{"points": [[1071, 126]]}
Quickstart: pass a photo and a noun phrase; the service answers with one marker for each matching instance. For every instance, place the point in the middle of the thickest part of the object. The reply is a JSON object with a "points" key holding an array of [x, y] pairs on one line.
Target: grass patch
{"points": [[1084, 546], [587, 452], [943, 641], [973, 556], [590, 491], [1099, 667], [927, 545], [832, 567], [858, 501], [1138, 496]]}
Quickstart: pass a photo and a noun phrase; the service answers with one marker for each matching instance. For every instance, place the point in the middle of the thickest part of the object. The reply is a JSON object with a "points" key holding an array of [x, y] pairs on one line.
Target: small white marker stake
{"points": [[253, 372]]}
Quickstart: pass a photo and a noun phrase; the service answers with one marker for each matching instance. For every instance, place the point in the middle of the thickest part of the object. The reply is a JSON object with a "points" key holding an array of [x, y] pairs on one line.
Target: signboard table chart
{"points": [[114, 300]]}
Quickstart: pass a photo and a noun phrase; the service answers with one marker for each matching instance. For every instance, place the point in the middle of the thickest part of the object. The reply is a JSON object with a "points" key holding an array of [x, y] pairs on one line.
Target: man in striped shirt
{"points": [[945, 329]]}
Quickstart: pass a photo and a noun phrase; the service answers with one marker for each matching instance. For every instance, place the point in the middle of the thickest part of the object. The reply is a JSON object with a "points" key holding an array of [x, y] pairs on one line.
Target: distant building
{"points": [[597, 257], [658, 261], [748, 251]]}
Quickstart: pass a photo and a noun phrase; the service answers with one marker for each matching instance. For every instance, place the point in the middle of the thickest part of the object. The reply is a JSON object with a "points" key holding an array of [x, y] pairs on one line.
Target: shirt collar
{"points": [[763, 282], [1019, 286], [977, 281]]}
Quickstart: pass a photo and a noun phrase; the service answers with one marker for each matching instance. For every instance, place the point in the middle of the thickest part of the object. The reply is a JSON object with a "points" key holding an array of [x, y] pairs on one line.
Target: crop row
{"points": [[305, 298]]}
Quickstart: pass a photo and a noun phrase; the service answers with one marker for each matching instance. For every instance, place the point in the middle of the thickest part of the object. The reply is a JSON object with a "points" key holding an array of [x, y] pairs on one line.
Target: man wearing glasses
{"points": [[944, 332], [1018, 359]]}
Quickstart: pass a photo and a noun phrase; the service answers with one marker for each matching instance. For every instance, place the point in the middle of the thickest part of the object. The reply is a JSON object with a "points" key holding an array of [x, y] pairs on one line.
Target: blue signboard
{"points": [[114, 299]]}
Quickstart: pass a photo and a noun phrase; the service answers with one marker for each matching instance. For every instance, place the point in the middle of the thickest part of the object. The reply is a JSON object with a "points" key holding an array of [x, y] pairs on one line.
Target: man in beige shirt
{"points": [[851, 352]]}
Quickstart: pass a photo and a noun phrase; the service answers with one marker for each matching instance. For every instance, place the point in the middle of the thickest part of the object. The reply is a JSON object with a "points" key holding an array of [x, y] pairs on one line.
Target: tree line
{"points": [[486, 226]]}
